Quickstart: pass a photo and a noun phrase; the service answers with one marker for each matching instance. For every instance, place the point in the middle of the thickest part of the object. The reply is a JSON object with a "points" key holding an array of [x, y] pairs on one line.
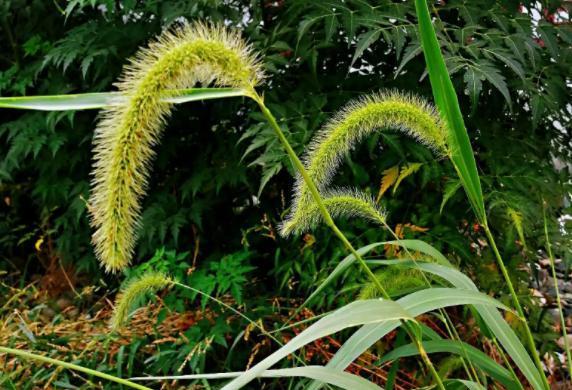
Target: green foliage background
{"points": [[221, 182]]}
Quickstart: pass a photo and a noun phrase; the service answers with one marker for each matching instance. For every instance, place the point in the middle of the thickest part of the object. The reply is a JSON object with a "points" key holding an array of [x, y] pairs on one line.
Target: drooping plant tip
{"points": [[133, 292], [391, 110], [126, 133]]}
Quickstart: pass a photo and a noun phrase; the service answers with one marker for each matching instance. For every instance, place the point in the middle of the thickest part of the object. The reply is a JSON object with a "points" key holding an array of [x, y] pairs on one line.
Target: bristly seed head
{"points": [[135, 290], [126, 133], [391, 110]]}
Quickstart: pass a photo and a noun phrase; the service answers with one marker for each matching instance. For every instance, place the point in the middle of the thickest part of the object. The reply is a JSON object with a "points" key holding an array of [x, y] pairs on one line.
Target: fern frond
{"points": [[134, 292], [126, 133], [391, 110]]}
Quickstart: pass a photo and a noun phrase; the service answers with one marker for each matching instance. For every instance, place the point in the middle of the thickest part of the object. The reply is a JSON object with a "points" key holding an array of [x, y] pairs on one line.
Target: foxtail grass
{"points": [[127, 132], [462, 155], [377, 112], [199, 53], [132, 294]]}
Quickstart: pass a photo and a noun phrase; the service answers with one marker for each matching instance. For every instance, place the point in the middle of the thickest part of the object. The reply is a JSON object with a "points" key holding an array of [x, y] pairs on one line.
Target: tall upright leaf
{"points": [[446, 99]]}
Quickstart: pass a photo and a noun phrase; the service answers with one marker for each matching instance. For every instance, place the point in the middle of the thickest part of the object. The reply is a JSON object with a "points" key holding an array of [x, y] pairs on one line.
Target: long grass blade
{"points": [[90, 101], [342, 379], [453, 384], [371, 311], [366, 336], [479, 358], [44, 359], [413, 245], [446, 99], [462, 155]]}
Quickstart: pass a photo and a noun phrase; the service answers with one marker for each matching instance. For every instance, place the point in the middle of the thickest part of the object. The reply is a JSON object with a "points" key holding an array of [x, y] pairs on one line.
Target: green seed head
{"points": [[392, 110], [134, 291], [126, 133], [339, 203]]}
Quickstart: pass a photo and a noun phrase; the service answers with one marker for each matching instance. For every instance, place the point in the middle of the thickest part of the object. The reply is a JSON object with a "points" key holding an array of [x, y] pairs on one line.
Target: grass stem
{"points": [[517, 305], [32, 356], [330, 222], [558, 301]]}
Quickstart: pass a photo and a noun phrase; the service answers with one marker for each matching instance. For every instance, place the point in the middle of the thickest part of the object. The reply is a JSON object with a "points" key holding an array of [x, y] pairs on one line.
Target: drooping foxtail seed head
{"points": [[134, 291], [359, 119], [127, 132], [339, 203]]}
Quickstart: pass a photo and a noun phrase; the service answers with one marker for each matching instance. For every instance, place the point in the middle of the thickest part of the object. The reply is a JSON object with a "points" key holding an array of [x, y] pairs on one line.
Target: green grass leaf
{"points": [[414, 245], [446, 99], [494, 320], [462, 383], [373, 311], [89, 101], [345, 380], [415, 304], [475, 356]]}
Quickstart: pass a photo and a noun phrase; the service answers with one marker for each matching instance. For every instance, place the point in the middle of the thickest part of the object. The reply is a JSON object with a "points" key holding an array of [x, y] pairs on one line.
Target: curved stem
{"points": [[32, 356], [226, 306], [330, 222], [238, 313], [558, 301], [516, 303], [506, 361]]}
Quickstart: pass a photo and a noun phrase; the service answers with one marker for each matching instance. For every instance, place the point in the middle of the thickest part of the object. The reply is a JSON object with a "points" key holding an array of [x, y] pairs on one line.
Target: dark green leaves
{"points": [[364, 41]]}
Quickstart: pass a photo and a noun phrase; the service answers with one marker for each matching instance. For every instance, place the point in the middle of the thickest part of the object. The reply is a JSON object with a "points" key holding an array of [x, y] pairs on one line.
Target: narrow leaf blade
{"points": [[446, 99], [356, 313], [89, 101]]}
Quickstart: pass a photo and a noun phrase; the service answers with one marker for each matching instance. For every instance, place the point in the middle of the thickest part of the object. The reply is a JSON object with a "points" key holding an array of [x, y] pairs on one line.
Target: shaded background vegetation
{"points": [[221, 182]]}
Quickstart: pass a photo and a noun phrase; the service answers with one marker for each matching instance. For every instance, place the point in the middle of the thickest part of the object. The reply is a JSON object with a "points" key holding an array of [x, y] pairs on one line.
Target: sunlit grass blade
{"points": [[478, 358], [90, 101], [415, 304], [44, 359], [366, 336], [344, 380], [370, 312], [446, 99], [454, 384], [412, 245], [354, 314]]}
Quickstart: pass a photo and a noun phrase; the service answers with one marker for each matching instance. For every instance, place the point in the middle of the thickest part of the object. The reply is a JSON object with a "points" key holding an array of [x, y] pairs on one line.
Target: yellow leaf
{"points": [[516, 218], [38, 244], [415, 228], [387, 179], [406, 170]]}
